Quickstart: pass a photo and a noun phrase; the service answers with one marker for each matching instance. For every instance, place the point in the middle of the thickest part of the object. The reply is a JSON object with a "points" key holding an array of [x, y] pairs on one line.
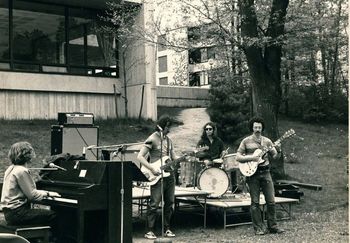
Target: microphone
{"points": [[76, 165], [160, 128], [90, 147], [120, 149], [52, 165]]}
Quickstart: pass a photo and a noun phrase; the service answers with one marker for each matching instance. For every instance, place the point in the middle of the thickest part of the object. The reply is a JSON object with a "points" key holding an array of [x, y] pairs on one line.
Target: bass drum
{"points": [[213, 180]]}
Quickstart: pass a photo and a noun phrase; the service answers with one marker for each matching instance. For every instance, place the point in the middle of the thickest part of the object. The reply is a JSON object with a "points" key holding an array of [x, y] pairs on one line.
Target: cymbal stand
{"points": [[195, 173]]}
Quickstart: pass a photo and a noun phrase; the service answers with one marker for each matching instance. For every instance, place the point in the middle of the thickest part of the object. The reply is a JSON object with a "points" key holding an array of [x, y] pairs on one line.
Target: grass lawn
{"points": [[321, 158]]}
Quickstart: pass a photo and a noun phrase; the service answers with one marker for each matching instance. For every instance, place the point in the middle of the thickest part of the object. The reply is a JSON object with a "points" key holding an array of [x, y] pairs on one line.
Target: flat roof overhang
{"points": [[97, 4]]}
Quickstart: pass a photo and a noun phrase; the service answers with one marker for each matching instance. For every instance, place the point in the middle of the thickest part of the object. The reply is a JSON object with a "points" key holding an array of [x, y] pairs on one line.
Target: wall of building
{"points": [[41, 96], [174, 96], [140, 74]]}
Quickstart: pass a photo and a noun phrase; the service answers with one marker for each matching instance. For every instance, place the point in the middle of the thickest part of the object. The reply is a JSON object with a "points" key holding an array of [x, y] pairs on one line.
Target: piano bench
{"points": [[26, 231]]}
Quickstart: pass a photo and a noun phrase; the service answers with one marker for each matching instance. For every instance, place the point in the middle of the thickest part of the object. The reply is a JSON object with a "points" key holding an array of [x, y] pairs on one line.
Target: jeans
{"points": [[262, 180], [156, 198], [25, 215]]}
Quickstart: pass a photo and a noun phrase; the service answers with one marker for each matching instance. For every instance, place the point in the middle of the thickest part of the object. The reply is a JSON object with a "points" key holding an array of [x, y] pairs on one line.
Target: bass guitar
{"points": [[162, 164], [249, 168]]}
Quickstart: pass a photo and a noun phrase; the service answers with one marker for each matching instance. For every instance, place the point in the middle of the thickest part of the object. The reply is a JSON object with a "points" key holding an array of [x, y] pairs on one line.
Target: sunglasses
{"points": [[209, 129]]}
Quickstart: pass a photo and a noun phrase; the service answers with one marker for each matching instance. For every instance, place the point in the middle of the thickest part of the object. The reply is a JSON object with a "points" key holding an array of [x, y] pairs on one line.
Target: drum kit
{"points": [[215, 179]]}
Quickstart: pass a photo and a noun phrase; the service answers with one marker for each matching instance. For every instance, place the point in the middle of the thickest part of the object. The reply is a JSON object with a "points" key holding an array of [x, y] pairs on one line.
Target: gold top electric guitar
{"points": [[249, 168]]}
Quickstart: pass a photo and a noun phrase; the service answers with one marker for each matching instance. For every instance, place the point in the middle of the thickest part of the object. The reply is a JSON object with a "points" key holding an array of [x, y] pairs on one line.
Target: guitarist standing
{"points": [[261, 178], [156, 146]]}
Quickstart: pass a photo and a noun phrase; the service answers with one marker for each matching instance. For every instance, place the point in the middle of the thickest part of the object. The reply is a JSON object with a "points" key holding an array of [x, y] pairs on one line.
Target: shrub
{"points": [[313, 104], [229, 106]]}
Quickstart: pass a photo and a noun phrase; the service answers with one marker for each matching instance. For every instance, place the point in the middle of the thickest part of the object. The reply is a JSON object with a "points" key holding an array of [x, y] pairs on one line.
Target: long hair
{"points": [[21, 152], [163, 121], [215, 132], [258, 120]]}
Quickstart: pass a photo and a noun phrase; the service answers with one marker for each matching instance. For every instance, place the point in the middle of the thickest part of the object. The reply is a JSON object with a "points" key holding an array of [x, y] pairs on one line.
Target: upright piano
{"points": [[96, 202]]}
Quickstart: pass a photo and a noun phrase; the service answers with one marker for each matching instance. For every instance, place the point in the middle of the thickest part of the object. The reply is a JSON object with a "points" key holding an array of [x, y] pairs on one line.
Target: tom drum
{"points": [[230, 162], [189, 171]]}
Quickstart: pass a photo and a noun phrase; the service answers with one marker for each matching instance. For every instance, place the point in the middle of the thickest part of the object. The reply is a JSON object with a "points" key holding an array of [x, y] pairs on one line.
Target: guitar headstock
{"points": [[288, 134]]}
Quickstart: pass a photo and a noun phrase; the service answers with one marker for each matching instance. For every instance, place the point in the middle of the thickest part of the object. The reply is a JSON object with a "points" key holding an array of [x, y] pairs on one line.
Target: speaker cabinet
{"points": [[73, 139]]}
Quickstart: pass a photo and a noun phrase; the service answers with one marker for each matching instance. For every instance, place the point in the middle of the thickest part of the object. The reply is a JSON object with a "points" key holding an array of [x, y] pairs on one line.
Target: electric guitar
{"points": [[249, 168], [162, 164]]}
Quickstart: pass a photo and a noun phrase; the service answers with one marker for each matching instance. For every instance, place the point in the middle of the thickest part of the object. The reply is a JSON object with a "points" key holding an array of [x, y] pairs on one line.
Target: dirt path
{"points": [[186, 136]]}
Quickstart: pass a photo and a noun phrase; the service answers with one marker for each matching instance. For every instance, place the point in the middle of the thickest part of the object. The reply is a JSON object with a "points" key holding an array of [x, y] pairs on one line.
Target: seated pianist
{"points": [[19, 189]]}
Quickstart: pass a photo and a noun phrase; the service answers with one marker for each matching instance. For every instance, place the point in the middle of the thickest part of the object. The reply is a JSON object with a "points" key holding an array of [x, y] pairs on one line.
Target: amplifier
{"points": [[75, 118], [72, 139]]}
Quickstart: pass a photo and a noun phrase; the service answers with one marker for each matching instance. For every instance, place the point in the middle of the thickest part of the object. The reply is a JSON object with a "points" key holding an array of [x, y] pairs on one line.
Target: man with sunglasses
{"points": [[210, 139]]}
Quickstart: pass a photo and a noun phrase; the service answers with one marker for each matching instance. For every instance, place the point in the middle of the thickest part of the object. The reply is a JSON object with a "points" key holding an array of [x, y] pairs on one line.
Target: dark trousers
{"points": [[156, 198], [262, 180], [25, 215]]}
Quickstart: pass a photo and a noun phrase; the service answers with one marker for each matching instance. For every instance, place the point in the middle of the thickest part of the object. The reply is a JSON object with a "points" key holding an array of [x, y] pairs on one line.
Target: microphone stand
{"points": [[122, 157], [162, 239], [42, 168], [162, 183], [122, 196]]}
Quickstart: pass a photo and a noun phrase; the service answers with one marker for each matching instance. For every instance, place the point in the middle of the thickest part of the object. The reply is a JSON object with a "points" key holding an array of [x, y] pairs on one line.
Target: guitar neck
{"points": [[167, 165], [267, 149]]}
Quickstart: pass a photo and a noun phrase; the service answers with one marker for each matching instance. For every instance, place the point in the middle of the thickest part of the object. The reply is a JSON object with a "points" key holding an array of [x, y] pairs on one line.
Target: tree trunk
{"points": [[125, 82], [264, 66], [286, 92], [335, 54]]}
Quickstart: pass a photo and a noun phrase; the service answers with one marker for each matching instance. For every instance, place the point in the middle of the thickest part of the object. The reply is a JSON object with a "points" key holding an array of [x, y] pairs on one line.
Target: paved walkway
{"points": [[186, 136]]}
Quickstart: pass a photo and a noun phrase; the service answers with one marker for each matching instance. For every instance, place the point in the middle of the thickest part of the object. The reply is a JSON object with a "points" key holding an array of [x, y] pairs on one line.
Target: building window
{"points": [[38, 35], [88, 44], [162, 43], [211, 52], [163, 81], [163, 64], [4, 37], [194, 55], [204, 56], [194, 79], [194, 34]]}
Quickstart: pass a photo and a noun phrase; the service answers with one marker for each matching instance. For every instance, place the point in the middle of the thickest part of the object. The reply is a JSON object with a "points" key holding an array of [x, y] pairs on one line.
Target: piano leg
{"points": [[81, 223]]}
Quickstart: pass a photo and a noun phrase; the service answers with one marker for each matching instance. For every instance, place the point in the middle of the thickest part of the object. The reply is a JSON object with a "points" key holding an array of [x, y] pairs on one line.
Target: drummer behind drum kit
{"points": [[216, 179]]}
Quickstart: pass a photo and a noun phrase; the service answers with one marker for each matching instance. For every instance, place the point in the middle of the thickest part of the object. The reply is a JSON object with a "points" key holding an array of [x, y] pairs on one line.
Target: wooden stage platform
{"points": [[191, 199]]}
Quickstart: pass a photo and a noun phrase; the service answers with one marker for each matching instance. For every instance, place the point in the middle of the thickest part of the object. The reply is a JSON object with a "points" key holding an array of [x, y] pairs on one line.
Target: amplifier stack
{"points": [[74, 132]]}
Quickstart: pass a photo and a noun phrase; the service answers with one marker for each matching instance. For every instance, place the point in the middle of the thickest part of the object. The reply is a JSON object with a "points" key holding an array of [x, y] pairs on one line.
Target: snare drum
{"points": [[230, 162], [213, 180]]}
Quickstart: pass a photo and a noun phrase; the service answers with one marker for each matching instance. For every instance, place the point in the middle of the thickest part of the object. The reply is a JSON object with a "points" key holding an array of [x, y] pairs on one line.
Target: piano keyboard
{"points": [[64, 200]]}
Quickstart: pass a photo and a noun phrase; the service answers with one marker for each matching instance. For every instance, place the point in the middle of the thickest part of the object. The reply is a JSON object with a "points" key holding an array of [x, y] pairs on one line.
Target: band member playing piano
{"points": [[158, 145], [210, 139], [261, 178], [19, 190]]}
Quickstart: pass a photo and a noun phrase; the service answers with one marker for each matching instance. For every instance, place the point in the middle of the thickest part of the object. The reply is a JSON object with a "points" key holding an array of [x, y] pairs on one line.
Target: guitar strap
{"points": [[168, 147]]}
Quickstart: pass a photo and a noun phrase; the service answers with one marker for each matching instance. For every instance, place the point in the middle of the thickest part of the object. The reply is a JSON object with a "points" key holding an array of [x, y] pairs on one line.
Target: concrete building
{"points": [[53, 59]]}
